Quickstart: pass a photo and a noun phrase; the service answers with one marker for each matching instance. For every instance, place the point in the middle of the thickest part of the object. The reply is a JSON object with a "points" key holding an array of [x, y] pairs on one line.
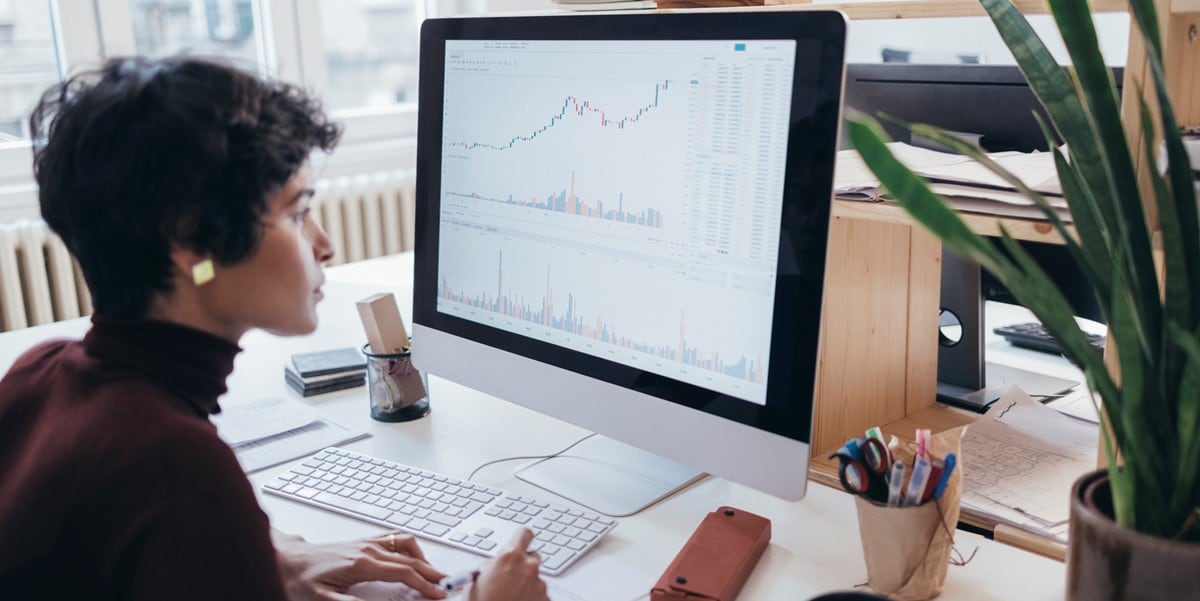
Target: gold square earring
{"points": [[202, 272]]}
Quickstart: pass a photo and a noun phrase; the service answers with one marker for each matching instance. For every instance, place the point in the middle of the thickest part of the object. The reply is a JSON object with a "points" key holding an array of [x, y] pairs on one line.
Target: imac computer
{"points": [[621, 223], [994, 105]]}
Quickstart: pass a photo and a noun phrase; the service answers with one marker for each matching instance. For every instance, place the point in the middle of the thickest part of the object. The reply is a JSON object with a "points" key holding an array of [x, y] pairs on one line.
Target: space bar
{"points": [[358, 507]]}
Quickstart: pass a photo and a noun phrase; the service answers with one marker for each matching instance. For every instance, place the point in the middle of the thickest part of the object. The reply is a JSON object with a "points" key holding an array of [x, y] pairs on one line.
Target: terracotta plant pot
{"points": [[1108, 561]]}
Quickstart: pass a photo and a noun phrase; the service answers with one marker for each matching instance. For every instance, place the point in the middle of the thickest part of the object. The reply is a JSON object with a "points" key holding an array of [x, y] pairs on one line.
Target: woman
{"points": [[182, 186]]}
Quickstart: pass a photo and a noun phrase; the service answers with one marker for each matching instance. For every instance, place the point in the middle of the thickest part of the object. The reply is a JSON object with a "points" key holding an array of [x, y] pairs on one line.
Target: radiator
{"points": [[39, 281], [365, 216]]}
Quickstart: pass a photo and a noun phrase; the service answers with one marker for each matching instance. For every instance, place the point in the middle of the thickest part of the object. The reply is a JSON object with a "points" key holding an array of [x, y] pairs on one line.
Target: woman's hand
{"points": [[324, 572], [512, 575]]}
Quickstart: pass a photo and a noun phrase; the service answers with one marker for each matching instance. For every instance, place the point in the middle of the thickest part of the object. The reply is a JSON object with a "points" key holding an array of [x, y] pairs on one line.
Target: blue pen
{"points": [[950, 462]]}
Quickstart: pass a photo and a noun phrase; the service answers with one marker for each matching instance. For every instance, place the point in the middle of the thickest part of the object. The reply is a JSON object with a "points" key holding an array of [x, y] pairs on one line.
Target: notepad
{"points": [[270, 431]]}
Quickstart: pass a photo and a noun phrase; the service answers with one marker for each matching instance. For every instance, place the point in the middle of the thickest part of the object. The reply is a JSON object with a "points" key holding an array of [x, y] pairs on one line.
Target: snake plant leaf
{"points": [[1177, 294], [1074, 20], [1026, 279], [1094, 237], [1146, 17], [1058, 95], [1188, 425], [1177, 214]]}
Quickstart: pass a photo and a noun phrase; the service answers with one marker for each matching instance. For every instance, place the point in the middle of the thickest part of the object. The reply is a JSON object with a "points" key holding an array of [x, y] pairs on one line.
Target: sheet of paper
{"points": [[1020, 459], [240, 422], [279, 448], [1035, 169], [854, 180], [1078, 405]]}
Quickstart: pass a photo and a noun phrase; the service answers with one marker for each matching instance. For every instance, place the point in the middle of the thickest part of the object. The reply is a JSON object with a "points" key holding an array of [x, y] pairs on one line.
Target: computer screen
{"points": [[621, 222], [992, 101]]}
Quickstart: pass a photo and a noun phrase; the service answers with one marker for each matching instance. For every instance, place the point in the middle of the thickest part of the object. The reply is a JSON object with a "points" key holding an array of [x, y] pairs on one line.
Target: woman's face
{"points": [[277, 287]]}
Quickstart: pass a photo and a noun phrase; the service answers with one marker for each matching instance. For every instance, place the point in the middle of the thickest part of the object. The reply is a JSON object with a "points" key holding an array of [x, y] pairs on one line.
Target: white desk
{"points": [[814, 547]]}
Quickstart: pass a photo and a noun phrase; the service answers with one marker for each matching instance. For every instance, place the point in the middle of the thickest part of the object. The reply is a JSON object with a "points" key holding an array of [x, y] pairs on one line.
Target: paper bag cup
{"points": [[907, 549]]}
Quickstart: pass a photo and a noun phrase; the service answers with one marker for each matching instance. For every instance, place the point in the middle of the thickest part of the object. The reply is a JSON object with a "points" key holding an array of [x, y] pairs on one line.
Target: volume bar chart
{"points": [[571, 318], [568, 202]]}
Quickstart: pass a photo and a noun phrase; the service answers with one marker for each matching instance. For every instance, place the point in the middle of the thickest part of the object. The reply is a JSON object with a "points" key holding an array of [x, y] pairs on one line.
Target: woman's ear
{"points": [[193, 266]]}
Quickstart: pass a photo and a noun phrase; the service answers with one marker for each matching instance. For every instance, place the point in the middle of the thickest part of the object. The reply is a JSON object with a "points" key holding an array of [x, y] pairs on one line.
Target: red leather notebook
{"points": [[716, 561]]}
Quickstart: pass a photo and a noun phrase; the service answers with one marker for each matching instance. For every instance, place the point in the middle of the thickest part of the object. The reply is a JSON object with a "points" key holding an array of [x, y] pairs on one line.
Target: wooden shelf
{"points": [[1030, 230]]}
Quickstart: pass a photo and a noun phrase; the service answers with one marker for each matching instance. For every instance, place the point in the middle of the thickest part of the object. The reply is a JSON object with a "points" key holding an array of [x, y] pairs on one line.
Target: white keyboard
{"points": [[462, 514]]}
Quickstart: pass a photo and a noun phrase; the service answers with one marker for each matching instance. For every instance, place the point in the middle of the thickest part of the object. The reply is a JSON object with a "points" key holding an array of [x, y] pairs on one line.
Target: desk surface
{"points": [[815, 544]]}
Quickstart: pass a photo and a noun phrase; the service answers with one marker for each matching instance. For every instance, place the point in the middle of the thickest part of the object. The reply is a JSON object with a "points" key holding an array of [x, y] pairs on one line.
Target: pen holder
{"points": [[907, 549], [396, 389]]}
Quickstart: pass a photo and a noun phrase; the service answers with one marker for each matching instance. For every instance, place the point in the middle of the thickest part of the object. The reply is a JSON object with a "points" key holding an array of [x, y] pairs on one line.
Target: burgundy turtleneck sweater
{"points": [[113, 483]]}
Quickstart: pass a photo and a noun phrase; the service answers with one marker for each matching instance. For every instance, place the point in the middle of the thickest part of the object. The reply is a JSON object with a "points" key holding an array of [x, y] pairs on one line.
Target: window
{"points": [[370, 52], [28, 62], [225, 28], [359, 56]]}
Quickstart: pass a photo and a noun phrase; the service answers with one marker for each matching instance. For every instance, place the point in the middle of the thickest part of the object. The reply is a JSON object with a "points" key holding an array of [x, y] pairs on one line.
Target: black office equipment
{"points": [[993, 104], [991, 100], [1033, 335], [965, 378]]}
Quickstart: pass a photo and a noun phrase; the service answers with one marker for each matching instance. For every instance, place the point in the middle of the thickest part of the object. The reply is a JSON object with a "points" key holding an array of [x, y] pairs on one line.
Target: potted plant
{"points": [[1132, 520]]}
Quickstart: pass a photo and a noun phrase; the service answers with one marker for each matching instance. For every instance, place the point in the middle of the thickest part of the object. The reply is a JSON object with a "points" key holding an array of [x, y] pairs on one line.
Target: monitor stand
{"points": [[1000, 378], [965, 378], [610, 477]]}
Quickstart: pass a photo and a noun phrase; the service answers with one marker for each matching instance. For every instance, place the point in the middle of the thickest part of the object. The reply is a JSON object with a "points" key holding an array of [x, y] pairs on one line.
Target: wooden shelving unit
{"points": [[878, 359]]}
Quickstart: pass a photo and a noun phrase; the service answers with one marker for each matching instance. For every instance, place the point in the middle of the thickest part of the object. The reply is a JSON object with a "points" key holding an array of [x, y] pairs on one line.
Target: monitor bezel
{"points": [[811, 147]]}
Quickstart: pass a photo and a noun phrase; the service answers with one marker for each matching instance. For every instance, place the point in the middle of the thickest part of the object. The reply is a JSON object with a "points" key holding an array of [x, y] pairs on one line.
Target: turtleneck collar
{"points": [[184, 362]]}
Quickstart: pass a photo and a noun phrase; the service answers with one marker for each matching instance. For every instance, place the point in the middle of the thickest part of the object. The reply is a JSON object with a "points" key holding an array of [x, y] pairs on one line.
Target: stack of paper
{"points": [[1020, 460], [965, 183], [267, 432]]}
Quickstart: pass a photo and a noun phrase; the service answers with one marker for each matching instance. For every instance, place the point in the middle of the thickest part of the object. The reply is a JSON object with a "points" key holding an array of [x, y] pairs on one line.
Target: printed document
{"points": [[1020, 460], [267, 432]]}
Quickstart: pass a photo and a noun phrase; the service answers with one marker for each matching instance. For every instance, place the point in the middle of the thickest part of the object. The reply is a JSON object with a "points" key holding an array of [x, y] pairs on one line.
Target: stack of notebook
{"points": [[326, 371]]}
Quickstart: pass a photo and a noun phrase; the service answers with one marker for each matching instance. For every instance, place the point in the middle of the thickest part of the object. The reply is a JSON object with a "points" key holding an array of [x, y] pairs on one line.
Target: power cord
{"points": [[528, 457]]}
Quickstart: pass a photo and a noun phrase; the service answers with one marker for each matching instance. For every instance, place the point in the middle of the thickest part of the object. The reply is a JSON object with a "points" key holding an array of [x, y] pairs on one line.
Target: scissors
{"points": [[864, 466]]}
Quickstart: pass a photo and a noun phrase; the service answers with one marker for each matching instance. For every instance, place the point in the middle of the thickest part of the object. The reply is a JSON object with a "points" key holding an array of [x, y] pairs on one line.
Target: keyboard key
{"points": [[558, 560], [444, 519], [378, 513], [436, 529]]}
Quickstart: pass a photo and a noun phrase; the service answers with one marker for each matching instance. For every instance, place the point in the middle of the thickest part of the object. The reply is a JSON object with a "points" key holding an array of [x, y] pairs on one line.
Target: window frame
{"points": [[375, 138]]}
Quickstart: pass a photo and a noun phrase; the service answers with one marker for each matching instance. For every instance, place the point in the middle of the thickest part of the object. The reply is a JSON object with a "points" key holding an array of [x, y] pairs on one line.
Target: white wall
{"points": [[939, 39]]}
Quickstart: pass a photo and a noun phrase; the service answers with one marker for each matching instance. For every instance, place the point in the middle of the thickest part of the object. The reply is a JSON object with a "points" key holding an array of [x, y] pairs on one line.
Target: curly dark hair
{"points": [[141, 155]]}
